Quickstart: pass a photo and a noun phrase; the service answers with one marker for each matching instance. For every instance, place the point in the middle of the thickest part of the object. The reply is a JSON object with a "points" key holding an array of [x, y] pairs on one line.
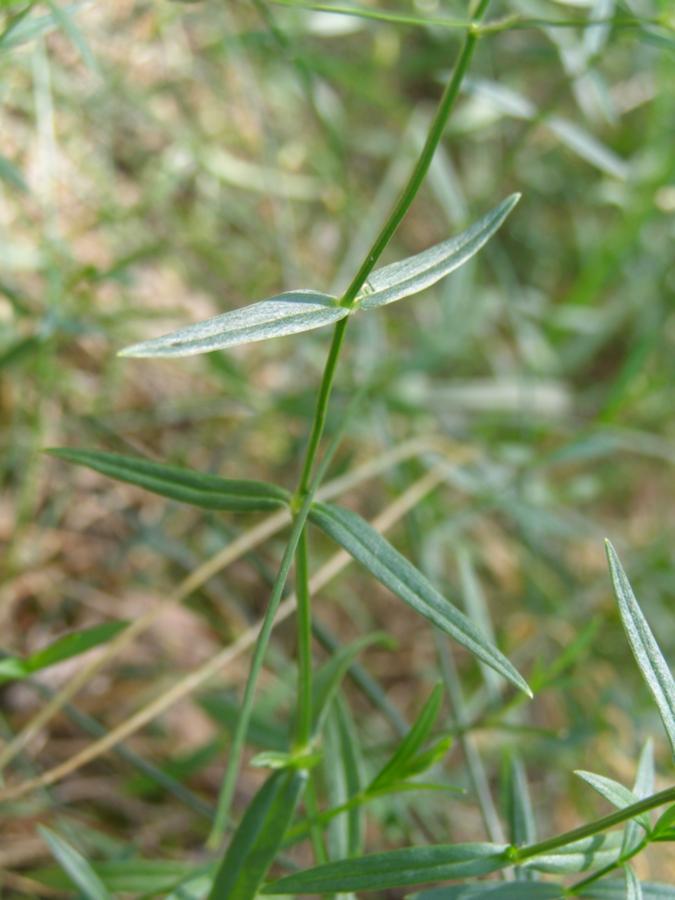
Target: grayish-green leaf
{"points": [[374, 552], [398, 868], [414, 274], [185, 485], [633, 886], [646, 651], [592, 852], [617, 794], [11, 175], [68, 25], [288, 313], [532, 890], [615, 889], [258, 837], [643, 787], [65, 647], [127, 876], [76, 866]]}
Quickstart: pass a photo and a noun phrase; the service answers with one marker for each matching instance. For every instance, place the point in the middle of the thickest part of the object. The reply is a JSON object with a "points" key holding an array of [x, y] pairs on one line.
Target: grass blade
{"points": [[398, 868], [393, 570], [284, 314], [412, 275], [258, 837], [176, 483], [646, 651], [76, 866]]}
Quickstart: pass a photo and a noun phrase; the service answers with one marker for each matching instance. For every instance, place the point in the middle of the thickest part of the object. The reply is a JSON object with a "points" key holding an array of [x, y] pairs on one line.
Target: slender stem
{"points": [[305, 493], [517, 854], [304, 614]]}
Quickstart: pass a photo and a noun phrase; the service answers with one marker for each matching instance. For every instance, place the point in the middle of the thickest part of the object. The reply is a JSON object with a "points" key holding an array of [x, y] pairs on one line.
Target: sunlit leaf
{"points": [[646, 651], [398, 868], [258, 837], [185, 485], [633, 886], [288, 313], [374, 552], [75, 866], [414, 274], [617, 794]]}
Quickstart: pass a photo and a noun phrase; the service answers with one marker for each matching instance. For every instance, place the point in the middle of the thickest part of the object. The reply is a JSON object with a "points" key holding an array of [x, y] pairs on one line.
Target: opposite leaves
{"points": [[303, 310]]}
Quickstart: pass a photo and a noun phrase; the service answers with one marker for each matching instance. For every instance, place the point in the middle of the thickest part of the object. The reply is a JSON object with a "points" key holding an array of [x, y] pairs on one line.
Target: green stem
{"points": [[518, 854], [305, 493], [304, 613]]}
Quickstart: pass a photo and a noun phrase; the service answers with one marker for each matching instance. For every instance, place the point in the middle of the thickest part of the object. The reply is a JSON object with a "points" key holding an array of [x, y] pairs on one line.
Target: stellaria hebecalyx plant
{"points": [[261, 831]]}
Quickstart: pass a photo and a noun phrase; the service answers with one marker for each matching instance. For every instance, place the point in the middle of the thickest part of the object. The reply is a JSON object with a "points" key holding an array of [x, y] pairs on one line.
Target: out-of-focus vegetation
{"points": [[162, 162]]}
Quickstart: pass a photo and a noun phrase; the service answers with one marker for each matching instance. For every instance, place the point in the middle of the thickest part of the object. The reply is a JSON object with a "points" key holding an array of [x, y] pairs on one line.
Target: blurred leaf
{"points": [[374, 552], [66, 647], [518, 808], [345, 778], [398, 868], [494, 891], [288, 313], [68, 25], [76, 866], [11, 175], [646, 651], [328, 678], [127, 876], [643, 787], [414, 274], [617, 794], [633, 887], [613, 889], [588, 853], [185, 485], [257, 839]]}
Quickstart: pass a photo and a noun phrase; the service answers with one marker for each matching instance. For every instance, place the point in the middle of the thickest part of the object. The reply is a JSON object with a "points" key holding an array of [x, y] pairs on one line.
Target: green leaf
{"points": [[258, 837], [343, 766], [75, 865], [374, 552], [588, 853], [664, 830], [127, 876], [519, 805], [185, 485], [398, 868], [615, 889], [617, 794], [11, 175], [397, 767], [532, 890], [66, 647], [69, 27], [284, 314], [646, 651], [633, 886], [327, 680], [414, 274], [643, 787]]}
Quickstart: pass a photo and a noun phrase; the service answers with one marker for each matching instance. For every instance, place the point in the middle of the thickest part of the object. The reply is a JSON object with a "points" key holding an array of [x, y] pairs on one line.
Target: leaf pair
{"points": [[348, 529], [303, 310]]}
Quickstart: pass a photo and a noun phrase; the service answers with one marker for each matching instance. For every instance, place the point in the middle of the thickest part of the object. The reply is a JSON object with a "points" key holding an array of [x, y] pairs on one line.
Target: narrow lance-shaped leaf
{"points": [[288, 313], [374, 552], [615, 889], [643, 787], [65, 647], [646, 651], [633, 886], [617, 794], [412, 275], [500, 891], [185, 485], [397, 868], [258, 837], [588, 853], [76, 866]]}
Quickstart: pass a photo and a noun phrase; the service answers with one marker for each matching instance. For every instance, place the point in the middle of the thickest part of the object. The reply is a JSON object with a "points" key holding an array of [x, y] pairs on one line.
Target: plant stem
{"points": [[304, 614], [596, 876], [518, 854], [305, 493]]}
